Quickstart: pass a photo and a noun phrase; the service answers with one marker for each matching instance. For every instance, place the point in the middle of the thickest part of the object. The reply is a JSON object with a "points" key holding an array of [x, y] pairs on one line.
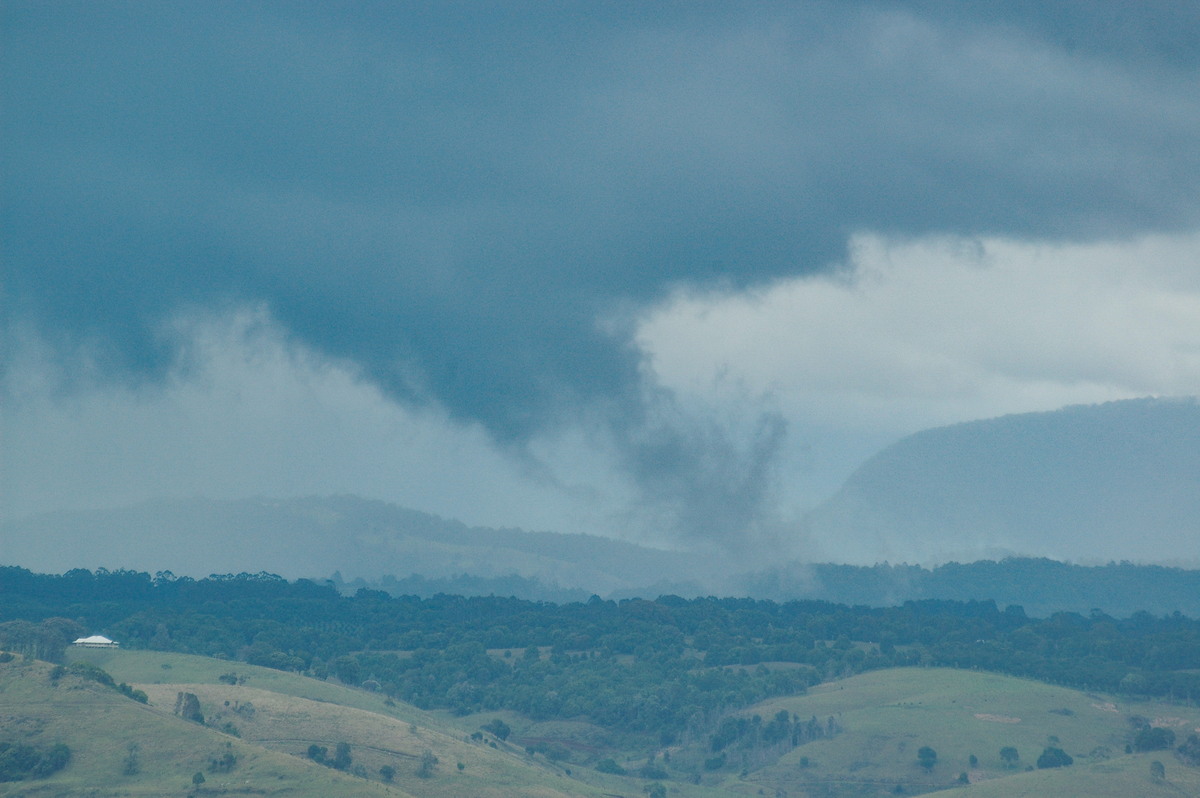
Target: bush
{"points": [[1189, 752], [651, 770], [131, 692], [1153, 738], [1054, 758], [428, 762], [341, 757], [87, 670], [19, 761], [498, 728]]}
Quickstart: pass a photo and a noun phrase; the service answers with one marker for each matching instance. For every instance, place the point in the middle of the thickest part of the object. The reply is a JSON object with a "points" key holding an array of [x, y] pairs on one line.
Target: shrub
{"points": [[19, 761], [650, 770], [428, 762], [1153, 738], [498, 728], [1054, 758]]}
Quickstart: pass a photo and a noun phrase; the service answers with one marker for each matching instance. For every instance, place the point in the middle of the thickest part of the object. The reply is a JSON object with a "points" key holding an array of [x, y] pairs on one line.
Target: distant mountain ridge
{"points": [[403, 552], [1117, 481], [1090, 484], [316, 536]]}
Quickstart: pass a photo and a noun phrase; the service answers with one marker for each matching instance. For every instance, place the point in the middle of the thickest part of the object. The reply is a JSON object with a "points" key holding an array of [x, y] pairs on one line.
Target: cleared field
{"points": [[285, 713], [884, 718], [887, 716], [148, 668], [1125, 777], [107, 731]]}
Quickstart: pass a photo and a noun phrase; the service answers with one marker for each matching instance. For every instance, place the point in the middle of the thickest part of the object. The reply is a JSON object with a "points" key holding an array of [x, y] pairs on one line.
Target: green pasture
{"points": [[887, 716]]}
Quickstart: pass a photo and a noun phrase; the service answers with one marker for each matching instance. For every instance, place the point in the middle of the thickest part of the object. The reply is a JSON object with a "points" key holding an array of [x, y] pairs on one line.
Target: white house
{"points": [[96, 641]]}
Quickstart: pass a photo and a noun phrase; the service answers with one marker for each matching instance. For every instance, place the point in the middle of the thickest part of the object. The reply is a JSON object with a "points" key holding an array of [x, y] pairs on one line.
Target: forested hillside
{"points": [[1042, 586]]}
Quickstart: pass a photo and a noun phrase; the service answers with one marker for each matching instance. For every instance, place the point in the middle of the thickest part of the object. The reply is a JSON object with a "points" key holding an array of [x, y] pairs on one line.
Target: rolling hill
{"points": [[270, 718], [121, 747]]}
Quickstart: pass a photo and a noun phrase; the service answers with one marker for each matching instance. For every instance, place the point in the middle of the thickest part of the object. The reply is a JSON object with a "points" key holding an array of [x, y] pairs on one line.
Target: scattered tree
{"points": [[655, 790], [1153, 738], [187, 706], [19, 761], [1009, 756], [341, 757], [428, 762], [1189, 752], [927, 758], [387, 773], [197, 779], [498, 728], [224, 762], [1157, 771], [1054, 757]]}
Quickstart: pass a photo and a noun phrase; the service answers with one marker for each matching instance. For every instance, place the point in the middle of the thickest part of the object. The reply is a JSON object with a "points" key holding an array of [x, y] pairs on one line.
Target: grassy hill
{"points": [[883, 718], [1118, 778], [887, 716], [121, 747], [283, 714]]}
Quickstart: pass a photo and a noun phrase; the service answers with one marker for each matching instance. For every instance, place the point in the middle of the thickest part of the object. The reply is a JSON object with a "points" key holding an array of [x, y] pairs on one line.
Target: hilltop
{"points": [[1112, 482]]}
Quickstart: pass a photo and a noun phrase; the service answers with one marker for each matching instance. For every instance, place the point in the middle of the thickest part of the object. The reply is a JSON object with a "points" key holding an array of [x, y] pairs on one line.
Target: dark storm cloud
{"points": [[453, 194]]}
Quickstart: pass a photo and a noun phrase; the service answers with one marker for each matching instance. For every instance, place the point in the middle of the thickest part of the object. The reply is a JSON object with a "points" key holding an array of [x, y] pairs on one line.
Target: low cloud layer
{"points": [[245, 410]]}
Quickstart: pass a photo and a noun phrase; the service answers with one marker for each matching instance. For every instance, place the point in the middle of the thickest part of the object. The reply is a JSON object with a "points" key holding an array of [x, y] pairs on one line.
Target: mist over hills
{"points": [[1023, 494], [313, 537], [1118, 481]]}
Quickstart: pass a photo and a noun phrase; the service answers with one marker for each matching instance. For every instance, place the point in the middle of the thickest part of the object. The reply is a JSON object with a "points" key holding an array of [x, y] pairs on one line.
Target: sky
{"points": [[666, 272]]}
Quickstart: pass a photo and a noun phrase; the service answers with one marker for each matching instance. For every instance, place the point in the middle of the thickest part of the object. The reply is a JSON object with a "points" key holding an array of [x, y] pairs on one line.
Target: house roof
{"points": [[93, 639]]}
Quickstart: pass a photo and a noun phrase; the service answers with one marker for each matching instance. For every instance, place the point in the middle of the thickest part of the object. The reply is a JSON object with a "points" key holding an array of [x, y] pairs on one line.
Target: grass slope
{"points": [[101, 726], [291, 712], [1122, 777], [888, 715]]}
